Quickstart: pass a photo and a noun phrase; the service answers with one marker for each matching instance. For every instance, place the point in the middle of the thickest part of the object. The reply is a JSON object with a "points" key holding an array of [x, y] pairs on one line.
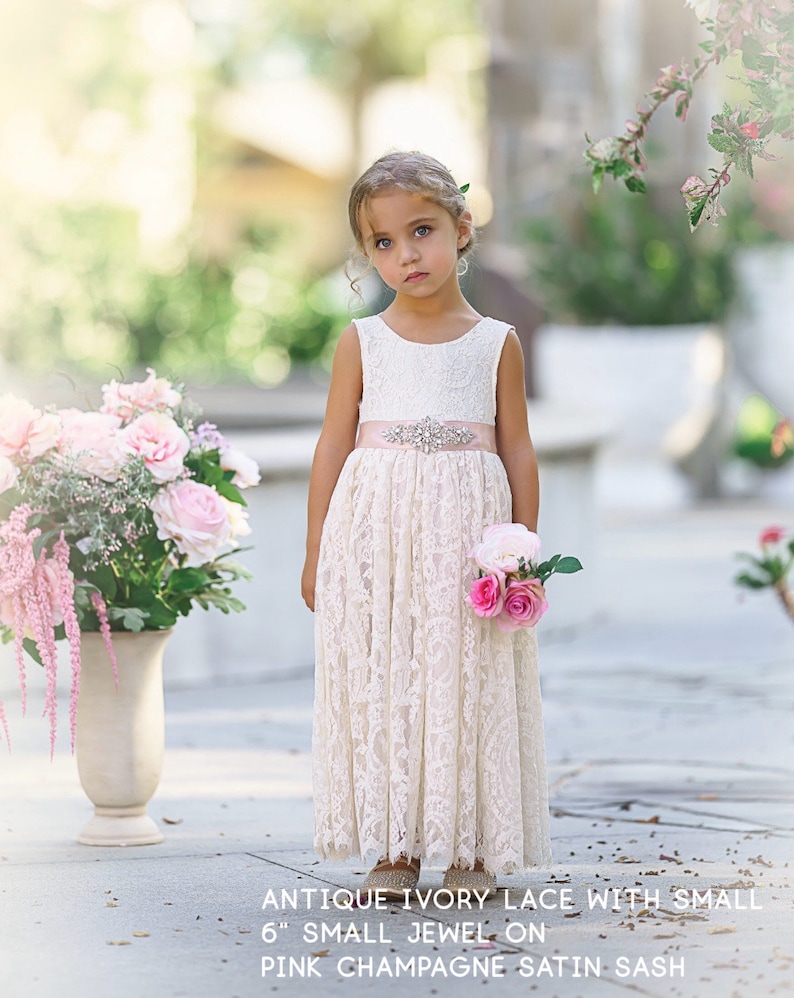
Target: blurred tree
{"points": [[352, 46], [104, 110]]}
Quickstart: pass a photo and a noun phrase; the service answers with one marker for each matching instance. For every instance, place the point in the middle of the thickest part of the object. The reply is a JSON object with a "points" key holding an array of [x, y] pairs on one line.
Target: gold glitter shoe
{"points": [[392, 881], [457, 879]]}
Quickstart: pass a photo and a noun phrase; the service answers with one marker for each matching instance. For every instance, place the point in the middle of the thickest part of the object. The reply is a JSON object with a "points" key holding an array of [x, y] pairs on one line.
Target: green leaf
{"points": [[105, 581], [185, 579], [751, 582], [130, 617], [696, 212], [229, 491], [636, 185], [464, 188], [568, 565], [721, 142], [751, 50], [30, 647]]}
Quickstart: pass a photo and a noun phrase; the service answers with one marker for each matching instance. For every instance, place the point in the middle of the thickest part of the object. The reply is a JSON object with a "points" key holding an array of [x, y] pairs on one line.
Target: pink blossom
{"points": [[93, 440], [195, 518], [772, 535], [503, 545], [9, 474], [486, 595], [130, 400], [245, 468], [751, 129], [160, 442], [524, 605]]}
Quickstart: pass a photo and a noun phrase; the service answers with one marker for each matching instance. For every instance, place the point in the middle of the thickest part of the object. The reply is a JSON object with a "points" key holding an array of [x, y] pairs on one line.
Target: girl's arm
{"points": [[513, 442], [337, 440]]}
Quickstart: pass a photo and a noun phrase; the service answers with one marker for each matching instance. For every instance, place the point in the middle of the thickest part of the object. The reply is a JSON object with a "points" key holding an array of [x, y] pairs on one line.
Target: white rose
{"points": [[238, 519], [704, 9], [245, 468], [503, 545]]}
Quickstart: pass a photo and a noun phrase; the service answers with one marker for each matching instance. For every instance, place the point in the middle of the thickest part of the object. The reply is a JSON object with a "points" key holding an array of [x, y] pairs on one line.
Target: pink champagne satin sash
{"points": [[370, 434]]}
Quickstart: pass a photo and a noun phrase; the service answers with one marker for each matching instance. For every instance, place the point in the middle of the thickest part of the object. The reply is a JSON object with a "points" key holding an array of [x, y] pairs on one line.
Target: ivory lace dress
{"points": [[428, 732]]}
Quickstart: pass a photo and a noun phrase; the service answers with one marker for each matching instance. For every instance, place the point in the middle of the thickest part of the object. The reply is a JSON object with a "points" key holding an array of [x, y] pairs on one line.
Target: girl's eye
{"points": [[423, 230], [382, 243]]}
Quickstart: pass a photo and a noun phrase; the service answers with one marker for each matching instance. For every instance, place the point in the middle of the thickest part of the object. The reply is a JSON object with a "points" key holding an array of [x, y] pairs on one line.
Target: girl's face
{"points": [[412, 242]]}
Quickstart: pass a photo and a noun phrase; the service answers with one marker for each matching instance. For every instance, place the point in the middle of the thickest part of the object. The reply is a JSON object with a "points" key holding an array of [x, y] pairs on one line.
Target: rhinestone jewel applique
{"points": [[428, 434]]}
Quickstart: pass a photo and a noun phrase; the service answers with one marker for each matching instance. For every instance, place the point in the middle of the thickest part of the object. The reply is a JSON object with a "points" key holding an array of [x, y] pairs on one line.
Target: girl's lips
{"points": [[415, 278]]}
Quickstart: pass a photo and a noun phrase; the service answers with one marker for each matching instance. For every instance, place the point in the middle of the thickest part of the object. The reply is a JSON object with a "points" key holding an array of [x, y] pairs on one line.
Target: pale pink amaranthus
{"points": [[34, 594], [71, 625], [104, 629]]}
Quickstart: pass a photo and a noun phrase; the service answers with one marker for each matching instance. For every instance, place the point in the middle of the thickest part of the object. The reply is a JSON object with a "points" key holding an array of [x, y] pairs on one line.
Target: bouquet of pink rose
{"points": [[773, 567], [116, 519], [510, 582]]}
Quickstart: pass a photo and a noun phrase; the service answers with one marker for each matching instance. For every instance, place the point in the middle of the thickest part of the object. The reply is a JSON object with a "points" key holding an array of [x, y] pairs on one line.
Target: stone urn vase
{"points": [[121, 736]]}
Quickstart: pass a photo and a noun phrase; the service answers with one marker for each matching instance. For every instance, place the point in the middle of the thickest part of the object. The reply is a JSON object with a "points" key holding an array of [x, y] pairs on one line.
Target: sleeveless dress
{"points": [[428, 731]]}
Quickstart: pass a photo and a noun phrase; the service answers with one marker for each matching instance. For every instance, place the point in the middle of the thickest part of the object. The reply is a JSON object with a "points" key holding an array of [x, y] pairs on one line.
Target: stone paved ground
{"points": [[670, 727]]}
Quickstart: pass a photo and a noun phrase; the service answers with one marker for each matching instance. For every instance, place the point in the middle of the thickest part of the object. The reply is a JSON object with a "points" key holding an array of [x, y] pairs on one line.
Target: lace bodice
{"points": [[455, 380]]}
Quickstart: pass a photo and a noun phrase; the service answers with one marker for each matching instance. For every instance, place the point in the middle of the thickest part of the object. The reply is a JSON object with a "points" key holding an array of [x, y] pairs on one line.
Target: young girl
{"points": [[428, 733]]}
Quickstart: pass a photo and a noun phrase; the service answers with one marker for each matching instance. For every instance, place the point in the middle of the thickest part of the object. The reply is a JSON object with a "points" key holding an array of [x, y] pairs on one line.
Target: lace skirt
{"points": [[428, 731]]}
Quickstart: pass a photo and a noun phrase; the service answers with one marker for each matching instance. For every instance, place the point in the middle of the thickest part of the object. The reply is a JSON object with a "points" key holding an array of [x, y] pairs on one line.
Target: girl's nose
{"points": [[408, 252]]}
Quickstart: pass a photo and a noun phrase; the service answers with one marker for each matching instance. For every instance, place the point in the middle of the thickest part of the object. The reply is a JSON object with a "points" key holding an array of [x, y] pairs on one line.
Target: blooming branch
{"points": [[763, 31]]}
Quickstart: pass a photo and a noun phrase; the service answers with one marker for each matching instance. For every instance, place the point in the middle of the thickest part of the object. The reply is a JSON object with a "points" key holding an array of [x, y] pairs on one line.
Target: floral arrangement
{"points": [[510, 582], [773, 567], [119, 519], [762, 32]]}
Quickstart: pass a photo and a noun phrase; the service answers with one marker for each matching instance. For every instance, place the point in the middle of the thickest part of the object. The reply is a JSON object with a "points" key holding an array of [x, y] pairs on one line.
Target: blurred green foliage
{"points": [[102, 107], [80, 297], [631, 261], [756, 423]]}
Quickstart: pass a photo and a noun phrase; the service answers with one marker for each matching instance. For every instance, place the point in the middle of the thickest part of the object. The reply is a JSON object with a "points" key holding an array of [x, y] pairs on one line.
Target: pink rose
{"points": [[502, 545], [127, 401], [160, 442], [245, 468], [524, 605], [772, 535], [485, 596], [44, 433], [195, 517], [93, 440], [8, 474], [16, 418]]}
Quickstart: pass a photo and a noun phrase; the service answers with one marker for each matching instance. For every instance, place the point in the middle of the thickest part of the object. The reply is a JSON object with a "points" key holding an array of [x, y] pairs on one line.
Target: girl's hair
{"points": [[414, 173]]}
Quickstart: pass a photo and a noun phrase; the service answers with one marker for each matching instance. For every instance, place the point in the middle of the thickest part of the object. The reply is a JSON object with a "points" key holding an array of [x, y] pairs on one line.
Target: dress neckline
{"points": [[441, 343]]}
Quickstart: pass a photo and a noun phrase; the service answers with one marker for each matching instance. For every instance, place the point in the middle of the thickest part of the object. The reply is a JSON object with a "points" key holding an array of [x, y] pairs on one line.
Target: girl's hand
{"points": [[309, 581]]}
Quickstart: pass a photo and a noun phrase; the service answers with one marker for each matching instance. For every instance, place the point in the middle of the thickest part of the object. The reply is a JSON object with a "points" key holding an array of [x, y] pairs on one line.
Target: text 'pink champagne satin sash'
{"points": [[428, 435]]}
